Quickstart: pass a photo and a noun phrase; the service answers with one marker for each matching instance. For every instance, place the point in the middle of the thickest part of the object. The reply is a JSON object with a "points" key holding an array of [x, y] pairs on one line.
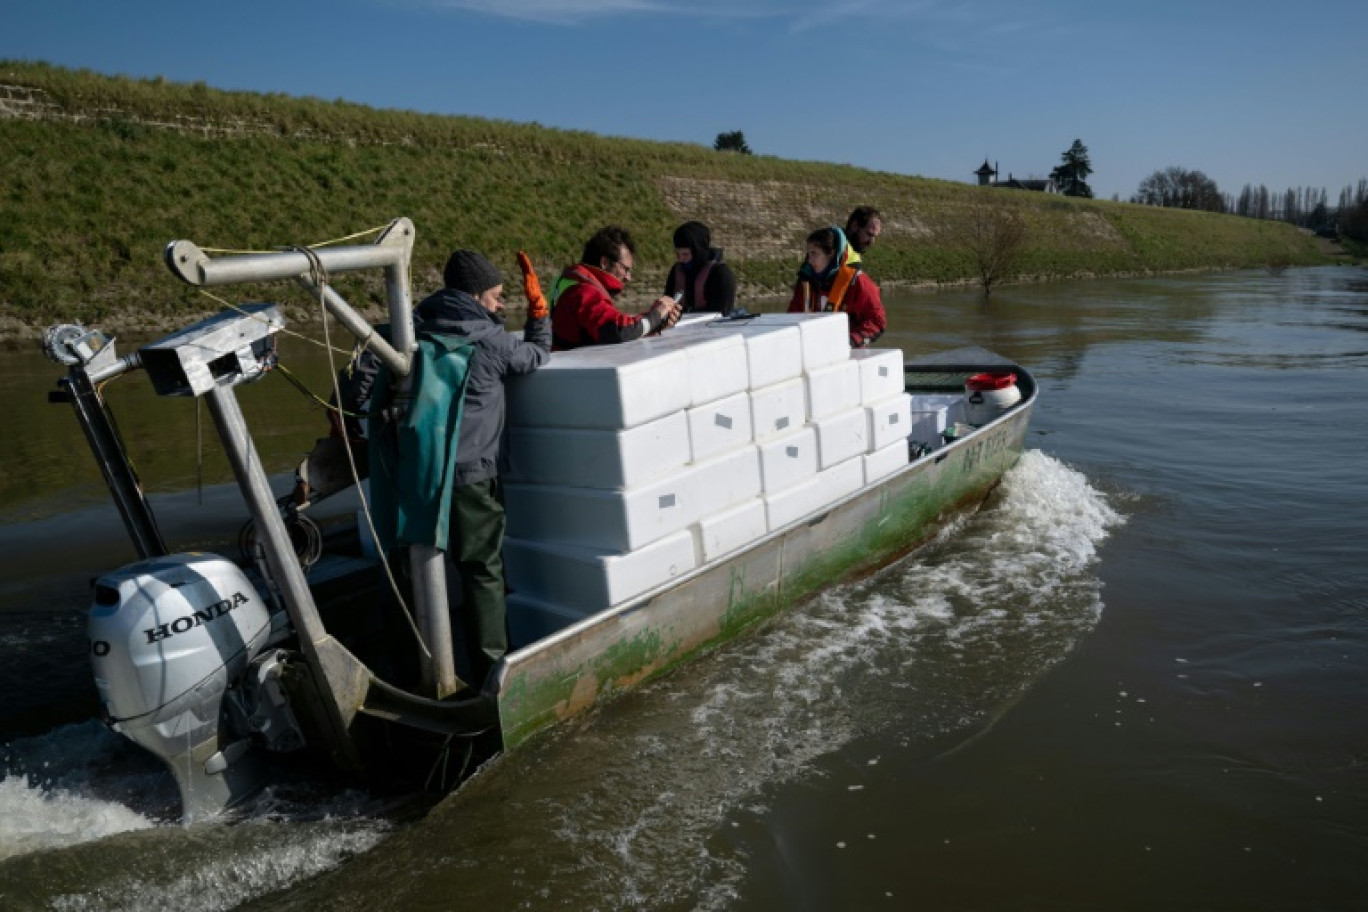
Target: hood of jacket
{"points": [[454, 312], [695, 237], [611, 283]]}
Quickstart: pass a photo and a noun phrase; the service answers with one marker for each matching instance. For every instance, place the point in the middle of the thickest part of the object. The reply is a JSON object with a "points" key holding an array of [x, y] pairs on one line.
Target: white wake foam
{"points": [[63, 788], [99, 816]]}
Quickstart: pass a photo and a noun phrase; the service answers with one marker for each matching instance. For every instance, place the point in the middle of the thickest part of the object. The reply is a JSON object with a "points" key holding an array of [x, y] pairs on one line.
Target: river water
{"points": [[1137, 679]]}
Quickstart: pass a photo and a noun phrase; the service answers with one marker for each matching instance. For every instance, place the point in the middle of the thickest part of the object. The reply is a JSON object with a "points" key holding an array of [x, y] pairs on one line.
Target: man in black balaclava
{"points": [[707, 283]]}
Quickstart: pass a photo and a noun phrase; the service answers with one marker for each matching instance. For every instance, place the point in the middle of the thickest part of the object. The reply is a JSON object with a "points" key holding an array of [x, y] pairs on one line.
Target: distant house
{"points": [[987, 177]]}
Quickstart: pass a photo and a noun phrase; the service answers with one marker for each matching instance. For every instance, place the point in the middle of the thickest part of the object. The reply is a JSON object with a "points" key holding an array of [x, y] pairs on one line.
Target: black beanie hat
{"points": [[470, 272]]}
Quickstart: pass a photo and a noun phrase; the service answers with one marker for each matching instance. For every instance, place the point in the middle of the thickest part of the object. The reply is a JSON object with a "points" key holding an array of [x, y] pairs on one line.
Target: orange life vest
{"points": [[833, 300], [679, 276]]}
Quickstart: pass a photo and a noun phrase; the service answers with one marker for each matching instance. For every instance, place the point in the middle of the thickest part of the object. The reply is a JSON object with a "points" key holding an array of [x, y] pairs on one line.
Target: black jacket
{"points": [[719, 289]]}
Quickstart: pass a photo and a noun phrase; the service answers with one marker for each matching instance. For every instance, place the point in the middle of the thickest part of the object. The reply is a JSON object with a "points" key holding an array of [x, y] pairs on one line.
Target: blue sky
{"points": [[1252, 92]]}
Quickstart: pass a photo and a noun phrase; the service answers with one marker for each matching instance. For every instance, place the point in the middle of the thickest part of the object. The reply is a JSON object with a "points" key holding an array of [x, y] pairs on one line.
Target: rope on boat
{"points": [[316, 270], [312, 396], [350, 237], [260, 319], [440, 771], [114, 423], [319, 275]]}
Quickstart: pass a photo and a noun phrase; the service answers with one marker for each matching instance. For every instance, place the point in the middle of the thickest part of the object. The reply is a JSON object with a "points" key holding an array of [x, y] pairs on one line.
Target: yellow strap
{"points": [[258, 317], [350, 237]]}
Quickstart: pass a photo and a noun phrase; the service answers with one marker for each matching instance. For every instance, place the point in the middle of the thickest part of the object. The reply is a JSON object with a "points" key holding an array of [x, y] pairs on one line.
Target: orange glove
{"points": [[536, 301]]}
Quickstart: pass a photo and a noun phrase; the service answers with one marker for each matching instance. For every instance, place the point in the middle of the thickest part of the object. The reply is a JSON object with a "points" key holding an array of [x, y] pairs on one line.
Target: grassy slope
{"points": [[91, 193]]}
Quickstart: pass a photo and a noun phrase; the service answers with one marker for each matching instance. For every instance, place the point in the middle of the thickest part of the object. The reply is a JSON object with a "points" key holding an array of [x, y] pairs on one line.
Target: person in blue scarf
{"points": [[831, 279]]}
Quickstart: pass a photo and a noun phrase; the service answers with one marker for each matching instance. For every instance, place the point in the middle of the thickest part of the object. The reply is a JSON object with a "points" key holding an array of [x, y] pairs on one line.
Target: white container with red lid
{"points": [[988, 395]]}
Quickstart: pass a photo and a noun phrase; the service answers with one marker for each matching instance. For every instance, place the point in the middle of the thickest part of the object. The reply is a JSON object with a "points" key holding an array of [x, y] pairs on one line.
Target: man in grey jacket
{"points": [[472, 305]]}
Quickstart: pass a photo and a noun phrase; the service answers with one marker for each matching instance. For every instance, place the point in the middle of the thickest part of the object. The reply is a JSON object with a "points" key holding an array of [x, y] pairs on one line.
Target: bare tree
{"points": [[1291, 206], [1179, 188], [993, 237]]}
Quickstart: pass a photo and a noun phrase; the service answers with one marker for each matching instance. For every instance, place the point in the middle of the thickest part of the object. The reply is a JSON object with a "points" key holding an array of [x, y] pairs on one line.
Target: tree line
{"points": [[1305, 207], [1176, 187]]}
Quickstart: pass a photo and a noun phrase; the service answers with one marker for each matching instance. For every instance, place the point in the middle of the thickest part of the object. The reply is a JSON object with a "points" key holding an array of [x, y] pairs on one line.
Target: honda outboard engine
{"points": [[177, 646]]}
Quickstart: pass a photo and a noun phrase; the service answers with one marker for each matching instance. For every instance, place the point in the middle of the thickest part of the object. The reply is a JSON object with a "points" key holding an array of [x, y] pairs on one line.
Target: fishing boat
{"points": [[307, 642]]}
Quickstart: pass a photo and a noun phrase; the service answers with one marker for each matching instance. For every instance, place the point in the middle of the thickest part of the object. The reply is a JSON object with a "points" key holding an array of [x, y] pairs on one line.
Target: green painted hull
{"points": [[563, 675]]}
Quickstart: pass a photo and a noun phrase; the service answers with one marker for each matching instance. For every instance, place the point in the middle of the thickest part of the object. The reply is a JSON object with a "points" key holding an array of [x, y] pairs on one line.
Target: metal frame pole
{"points": [[434, 619], [392, 251], [345, 680], [110, 455]]}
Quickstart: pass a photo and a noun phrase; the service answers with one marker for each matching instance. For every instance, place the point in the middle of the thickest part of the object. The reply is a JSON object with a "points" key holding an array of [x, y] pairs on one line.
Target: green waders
{"points": [[475, 545]]}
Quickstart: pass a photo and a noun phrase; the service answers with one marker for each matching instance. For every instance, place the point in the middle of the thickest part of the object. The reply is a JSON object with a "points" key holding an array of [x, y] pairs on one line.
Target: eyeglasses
{"points": [[626, 268]]}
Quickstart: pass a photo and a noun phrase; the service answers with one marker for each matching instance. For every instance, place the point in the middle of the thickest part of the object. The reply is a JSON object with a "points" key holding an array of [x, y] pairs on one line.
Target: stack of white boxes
{"points": [[634, 464]]}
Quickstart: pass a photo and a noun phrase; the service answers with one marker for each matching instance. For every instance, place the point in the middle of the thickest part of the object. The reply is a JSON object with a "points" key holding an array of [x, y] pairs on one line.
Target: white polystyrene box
{"points": [[724, 481], [530, 619], [843, 479], [774, 351], [779, 409], [783, 507], [717, 361], [825, 336], [607, 520], [718, 368], [602, 386], [834, 388], [719, 426], [841, 437], [591, 580], [884, 462], [951, 403], [932, 414], [589, 458], [791, 504], [881, 373], [788, 460], [722, 533], [889, 420]]}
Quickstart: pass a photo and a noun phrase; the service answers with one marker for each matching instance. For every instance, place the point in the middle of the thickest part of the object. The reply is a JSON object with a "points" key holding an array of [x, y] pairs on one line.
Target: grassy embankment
{"points": [[98, 173]]}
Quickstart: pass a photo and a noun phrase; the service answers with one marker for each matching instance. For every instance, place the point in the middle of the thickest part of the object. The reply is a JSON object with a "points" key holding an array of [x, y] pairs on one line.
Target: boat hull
{"points": [[618, 649]]}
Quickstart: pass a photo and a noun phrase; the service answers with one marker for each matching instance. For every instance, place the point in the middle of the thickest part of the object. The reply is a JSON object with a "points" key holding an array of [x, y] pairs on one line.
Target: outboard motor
{"points": [[177, 646]]}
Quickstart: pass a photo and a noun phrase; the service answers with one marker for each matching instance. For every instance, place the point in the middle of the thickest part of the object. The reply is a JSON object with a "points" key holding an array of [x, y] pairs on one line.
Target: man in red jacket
{"points": [[582, 307]]}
